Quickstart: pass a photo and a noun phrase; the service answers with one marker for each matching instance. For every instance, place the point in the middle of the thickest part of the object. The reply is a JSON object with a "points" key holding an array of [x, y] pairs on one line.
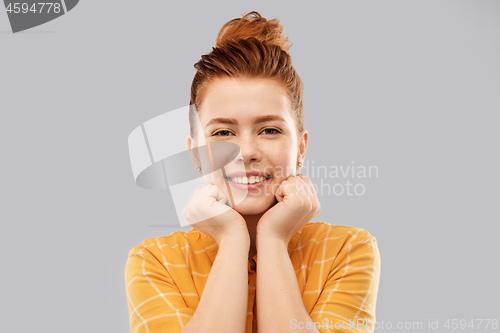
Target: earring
{"points": [[199, 169], [300, 164]]}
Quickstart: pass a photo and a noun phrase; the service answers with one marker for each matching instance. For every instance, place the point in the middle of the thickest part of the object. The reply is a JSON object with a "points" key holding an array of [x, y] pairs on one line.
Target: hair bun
{"points": [[253, 25]]}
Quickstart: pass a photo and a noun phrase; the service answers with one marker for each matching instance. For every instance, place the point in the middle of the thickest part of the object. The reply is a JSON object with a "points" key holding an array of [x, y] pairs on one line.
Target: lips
{"points": [[248, 174], [249, 186]]}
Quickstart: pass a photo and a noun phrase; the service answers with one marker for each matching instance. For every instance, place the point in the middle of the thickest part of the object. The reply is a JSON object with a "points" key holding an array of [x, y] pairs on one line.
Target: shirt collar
{"points": [[211, 246]]}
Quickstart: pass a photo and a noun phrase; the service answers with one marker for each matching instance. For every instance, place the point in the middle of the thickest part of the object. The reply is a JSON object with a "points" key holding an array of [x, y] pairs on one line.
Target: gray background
{"points": [[411, 87]]}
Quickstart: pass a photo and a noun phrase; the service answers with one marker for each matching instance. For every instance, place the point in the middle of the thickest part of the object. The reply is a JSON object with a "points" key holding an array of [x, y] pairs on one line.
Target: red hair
{"points": [[249, 47]]}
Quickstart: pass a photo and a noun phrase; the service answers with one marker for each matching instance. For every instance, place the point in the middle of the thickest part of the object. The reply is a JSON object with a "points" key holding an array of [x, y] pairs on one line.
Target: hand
{"points": [[297, 205], [207, 211]]}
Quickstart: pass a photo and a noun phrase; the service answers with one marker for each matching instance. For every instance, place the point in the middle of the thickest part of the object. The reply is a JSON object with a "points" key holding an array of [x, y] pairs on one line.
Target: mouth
{"points": [[248, 183]]}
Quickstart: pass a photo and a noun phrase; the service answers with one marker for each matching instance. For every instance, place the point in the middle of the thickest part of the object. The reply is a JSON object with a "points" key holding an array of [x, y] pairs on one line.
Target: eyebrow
{"points": [[256, 120]]}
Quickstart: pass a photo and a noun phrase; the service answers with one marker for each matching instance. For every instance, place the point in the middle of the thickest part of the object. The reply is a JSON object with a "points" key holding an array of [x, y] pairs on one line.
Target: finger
{"points": [[299, 186], [217, 193], [309, 184], [305, 189], [298, 192], [281, 190], [313, 195], [305, 193], [306, 184]]}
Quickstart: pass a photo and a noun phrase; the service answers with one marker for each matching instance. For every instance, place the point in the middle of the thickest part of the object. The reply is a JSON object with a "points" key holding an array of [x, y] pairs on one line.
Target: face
{"points": [[256, 115]]}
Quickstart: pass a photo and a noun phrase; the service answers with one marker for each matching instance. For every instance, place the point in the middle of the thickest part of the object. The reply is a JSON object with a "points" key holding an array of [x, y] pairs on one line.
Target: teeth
{"points": [[246, 180]]}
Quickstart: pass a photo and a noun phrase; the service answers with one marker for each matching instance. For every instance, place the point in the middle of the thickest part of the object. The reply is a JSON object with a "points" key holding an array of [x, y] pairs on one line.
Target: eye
{"points": [[276, 131], [223, 131], [227, 133]]}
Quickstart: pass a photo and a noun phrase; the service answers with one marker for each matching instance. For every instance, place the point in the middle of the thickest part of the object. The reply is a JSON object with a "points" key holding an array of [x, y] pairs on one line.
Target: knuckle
{"points": [[185, 213], [310, 204]]}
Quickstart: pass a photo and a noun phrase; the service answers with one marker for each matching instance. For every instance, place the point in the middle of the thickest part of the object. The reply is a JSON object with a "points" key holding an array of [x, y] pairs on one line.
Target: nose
{"points": [[249, 150]]}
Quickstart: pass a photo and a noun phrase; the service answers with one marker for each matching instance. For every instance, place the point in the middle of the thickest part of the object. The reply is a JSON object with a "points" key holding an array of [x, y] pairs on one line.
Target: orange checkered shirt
{"points": [[337, 268]]}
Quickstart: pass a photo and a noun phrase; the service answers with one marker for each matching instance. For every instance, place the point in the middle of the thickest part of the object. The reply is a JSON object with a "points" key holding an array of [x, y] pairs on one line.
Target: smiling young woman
{"points": [[312, 276]]}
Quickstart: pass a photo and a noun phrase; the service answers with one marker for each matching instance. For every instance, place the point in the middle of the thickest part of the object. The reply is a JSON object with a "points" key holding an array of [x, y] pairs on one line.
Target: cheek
{"points": [[283, 160]]}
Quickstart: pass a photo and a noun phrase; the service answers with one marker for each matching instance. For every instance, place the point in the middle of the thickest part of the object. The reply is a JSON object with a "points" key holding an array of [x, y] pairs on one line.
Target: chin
{"points": [[254, 206]]}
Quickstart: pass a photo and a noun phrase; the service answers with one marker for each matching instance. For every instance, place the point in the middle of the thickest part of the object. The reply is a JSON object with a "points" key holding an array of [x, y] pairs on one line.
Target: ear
{"points": [[193, 151], [302, 146], [189, 142]]}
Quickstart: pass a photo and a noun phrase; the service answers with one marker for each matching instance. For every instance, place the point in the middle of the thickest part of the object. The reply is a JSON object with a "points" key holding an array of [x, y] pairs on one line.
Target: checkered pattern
{"points": [[337, 269]]}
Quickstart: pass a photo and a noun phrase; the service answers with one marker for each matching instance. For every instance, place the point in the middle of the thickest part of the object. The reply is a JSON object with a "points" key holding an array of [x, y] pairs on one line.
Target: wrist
{"points": [[235, 238], [264, 238]]}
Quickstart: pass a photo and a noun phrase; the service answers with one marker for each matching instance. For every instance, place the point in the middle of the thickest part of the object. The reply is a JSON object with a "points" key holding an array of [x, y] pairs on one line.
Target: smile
{"points": [[248, 183]]}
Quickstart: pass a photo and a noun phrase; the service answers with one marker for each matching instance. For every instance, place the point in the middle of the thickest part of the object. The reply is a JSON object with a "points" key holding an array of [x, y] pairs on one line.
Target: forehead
{"points": [[244, 99]]}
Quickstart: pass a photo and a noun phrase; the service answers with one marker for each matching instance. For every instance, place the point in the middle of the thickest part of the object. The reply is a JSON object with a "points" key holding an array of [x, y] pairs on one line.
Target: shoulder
{"points": [[174, 244], [328, 229], [335, 236]]}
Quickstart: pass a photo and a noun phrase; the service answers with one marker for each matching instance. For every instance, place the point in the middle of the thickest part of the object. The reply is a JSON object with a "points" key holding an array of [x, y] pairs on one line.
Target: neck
{"points": [[252, 221]]}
